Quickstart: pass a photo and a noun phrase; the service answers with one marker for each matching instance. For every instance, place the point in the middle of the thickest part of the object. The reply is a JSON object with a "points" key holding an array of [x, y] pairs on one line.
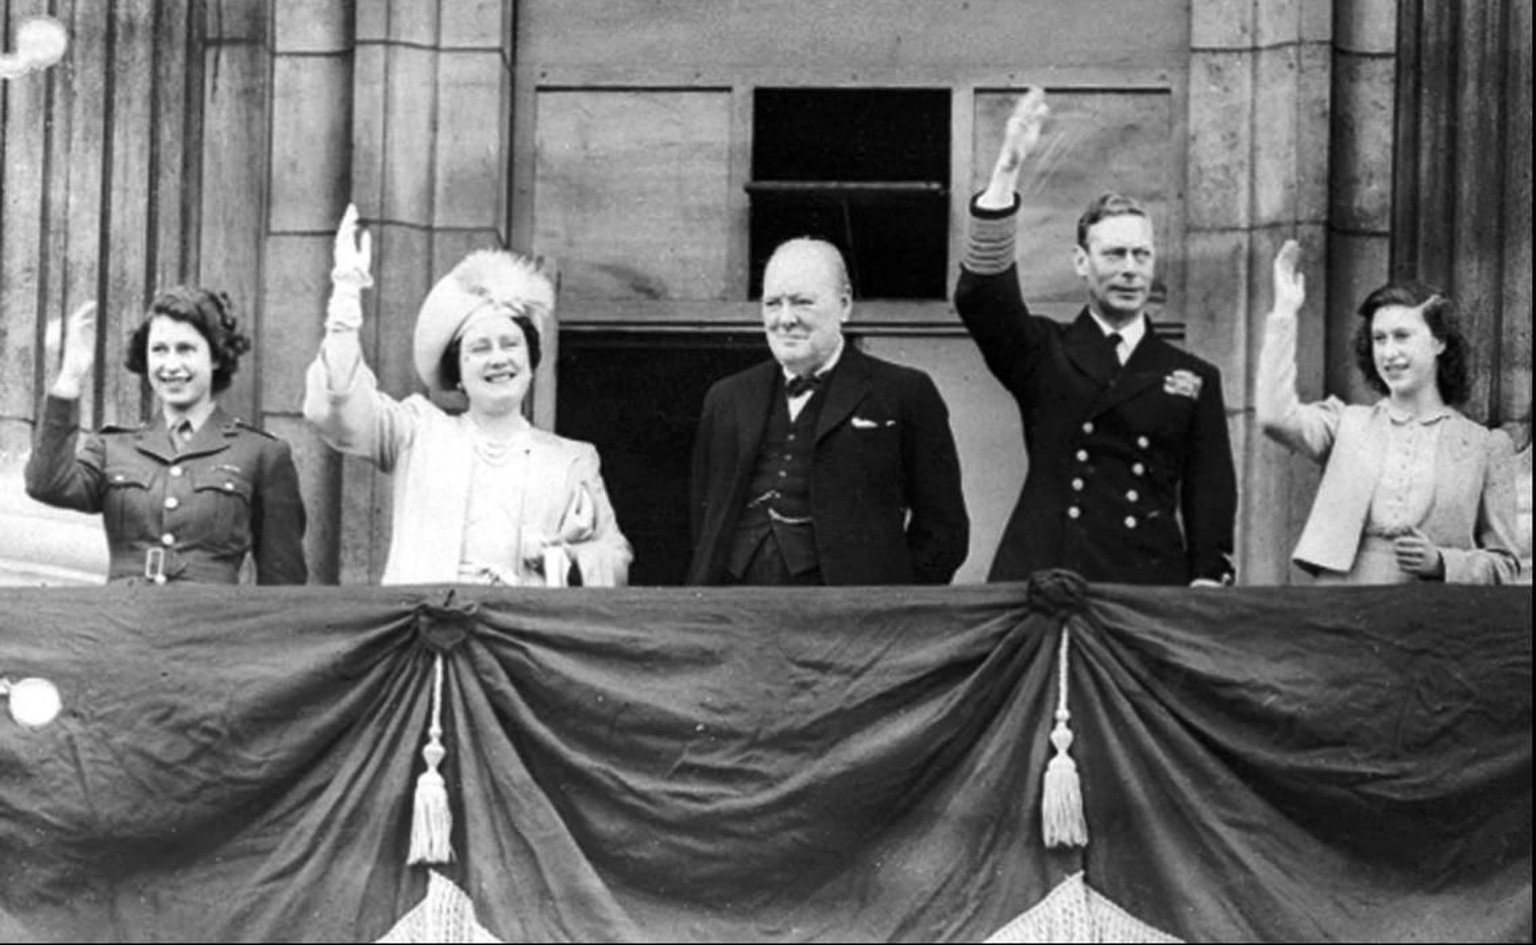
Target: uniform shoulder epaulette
{"points": [[242, 424]]}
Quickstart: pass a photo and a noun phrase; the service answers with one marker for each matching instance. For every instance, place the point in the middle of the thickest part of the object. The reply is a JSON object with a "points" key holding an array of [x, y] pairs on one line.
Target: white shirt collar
{"points": [[1130, 335]]}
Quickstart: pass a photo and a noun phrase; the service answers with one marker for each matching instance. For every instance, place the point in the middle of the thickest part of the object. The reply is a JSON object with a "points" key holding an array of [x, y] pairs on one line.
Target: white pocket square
{"points": [[863, 424]]}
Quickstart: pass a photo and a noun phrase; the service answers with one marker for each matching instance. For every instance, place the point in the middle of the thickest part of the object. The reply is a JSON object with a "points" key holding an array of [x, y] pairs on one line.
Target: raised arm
{"points": [[987, 296], [1019, 139], [54, 473], [350, 275], [341, 395], [1306, 428]]}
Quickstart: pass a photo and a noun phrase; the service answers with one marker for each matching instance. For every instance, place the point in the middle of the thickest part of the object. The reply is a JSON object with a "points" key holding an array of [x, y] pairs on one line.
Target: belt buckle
{"points": [[154, 564]]}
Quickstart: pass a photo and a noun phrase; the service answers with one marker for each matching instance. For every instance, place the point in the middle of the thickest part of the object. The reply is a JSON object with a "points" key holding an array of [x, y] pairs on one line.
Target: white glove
{"points": [[352, 259]]}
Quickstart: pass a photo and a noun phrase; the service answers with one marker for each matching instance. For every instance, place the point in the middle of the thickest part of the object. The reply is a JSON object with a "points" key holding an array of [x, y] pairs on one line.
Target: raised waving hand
{"points": [[1020, 138], [79, 352]]}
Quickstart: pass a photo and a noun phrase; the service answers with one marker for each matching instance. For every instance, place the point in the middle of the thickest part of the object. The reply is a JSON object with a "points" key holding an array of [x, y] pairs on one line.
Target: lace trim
{"points": [[1073, 912], [444, 915]]}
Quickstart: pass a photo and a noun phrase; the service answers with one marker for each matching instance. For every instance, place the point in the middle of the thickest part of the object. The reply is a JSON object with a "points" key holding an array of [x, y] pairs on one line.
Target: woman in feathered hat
{"points": [[482, 496]]}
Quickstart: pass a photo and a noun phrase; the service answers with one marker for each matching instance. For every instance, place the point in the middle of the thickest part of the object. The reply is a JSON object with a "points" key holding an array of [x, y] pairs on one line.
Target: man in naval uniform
{"points": [[1130, 474]]}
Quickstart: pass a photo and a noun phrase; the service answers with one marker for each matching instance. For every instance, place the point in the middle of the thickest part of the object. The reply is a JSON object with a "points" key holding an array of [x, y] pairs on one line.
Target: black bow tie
{"points": [[798, 385]]}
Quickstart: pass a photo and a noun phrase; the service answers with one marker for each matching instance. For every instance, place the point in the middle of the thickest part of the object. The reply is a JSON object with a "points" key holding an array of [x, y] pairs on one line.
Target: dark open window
{"points": [[640, 396], [866, 169]]}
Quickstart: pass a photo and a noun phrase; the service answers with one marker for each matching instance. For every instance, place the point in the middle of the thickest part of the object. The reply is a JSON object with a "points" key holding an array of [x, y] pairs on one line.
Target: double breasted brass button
{"points": [[1132, 496], [1137, 469], [177, 471], [1130, 521], [1088, 427], [167, 539], [1077, 485], [1143, 442], [1082, 456], [1074, 512], [171, 502]]}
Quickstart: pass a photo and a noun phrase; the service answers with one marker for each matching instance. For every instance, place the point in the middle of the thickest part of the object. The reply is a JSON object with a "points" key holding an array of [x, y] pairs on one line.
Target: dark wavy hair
{"points": [[211, 313], [448, 365], [1104, 206], [1451, 375]]}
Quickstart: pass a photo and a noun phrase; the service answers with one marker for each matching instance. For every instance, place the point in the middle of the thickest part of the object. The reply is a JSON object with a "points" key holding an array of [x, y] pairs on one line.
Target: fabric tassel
{"points": [[431, 820], [1061, 809]]}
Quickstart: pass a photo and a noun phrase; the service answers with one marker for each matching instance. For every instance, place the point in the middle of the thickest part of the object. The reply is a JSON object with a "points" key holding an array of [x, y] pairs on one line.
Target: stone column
{"points": [[430, 163], [1257, 174], [1360, 195], [310, 184]]}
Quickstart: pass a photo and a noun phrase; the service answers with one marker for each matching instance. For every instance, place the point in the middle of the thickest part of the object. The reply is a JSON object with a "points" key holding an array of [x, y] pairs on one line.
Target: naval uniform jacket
{"points": [[191, 515], [886, 502], [1130, 474]]}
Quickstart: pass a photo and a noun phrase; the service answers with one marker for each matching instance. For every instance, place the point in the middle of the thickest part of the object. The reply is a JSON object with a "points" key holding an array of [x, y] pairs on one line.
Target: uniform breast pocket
{"points": [[127, 499], [222, 499], [1171, 416], [878, 441]]}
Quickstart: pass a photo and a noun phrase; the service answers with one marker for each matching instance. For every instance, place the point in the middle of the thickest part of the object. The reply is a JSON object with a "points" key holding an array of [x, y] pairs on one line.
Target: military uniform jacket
{"points": [[1130, 468], [191, 515], [886, 501]]}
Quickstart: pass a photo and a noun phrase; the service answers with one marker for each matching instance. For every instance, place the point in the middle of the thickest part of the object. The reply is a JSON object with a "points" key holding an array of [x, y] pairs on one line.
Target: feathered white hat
{"points": [[484, 279]]}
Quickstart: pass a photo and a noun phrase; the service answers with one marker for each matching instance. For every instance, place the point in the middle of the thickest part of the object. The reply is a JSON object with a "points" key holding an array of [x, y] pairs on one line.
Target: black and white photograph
{"points": [[765, 470]]}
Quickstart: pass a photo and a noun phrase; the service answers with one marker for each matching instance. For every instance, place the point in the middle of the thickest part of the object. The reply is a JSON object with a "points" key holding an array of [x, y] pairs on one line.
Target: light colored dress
{"points": [[467, 510], [1523, 512], [1386, 475]]}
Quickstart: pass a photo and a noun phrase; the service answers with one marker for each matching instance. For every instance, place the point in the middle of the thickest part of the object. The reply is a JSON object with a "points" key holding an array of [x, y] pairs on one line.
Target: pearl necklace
{"points": [[495, 452], [498, 450]]}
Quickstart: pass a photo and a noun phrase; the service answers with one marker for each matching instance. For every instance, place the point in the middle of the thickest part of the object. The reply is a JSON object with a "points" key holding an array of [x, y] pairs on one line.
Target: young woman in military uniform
{"points": [[190, 493]]}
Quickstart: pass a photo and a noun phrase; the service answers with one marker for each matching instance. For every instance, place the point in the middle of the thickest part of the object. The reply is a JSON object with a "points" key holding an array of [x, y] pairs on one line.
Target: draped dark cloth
{"points": [[769, 764]]}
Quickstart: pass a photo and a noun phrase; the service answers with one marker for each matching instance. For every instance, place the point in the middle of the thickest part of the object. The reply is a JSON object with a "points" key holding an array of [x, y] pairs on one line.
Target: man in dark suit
{"points": [[823, 465], [1130, 469]]}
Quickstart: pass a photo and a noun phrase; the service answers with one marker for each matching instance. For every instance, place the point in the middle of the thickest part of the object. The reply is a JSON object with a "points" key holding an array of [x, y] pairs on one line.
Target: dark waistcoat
{"points": [[779, 492]]}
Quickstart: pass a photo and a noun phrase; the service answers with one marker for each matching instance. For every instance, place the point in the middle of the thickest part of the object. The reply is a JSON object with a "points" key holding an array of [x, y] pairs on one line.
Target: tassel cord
{"points": [[432, 821], [1061, 809]]}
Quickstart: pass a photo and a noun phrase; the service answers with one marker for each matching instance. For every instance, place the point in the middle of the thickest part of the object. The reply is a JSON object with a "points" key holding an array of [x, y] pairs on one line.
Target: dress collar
{"points": [[1402, 418]]}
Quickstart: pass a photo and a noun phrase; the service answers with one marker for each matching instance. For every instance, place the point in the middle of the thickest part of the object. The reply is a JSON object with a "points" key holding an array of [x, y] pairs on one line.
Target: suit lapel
{"points": [[752, 414], [1149, 365], [845, 390]]}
